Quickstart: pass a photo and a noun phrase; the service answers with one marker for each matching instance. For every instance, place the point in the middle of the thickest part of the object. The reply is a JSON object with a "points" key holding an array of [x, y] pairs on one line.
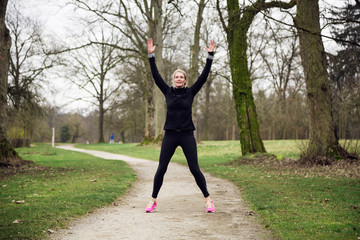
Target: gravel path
{"points": [[180, 213]]}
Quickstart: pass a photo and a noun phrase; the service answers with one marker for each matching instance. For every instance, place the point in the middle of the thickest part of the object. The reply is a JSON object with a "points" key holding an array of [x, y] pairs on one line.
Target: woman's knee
{"points": [[161, 170], [195, 170]]}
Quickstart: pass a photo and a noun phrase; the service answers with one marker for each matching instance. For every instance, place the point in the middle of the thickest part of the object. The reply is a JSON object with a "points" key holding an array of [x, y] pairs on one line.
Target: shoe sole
{"points": [[150, 211]]}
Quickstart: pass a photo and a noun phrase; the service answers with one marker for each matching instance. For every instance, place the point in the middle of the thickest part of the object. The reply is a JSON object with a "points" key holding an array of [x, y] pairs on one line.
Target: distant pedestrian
{"points": [[112, 138], [179, 127]]}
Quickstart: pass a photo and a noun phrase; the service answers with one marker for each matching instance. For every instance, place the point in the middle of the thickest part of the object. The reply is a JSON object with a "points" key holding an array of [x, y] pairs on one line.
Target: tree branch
{"points": [[221, 16]]}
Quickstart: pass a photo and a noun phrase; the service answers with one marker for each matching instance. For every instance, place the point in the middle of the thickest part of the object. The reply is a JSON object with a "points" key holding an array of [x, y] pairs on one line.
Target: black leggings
{"points": [[186, 140]]}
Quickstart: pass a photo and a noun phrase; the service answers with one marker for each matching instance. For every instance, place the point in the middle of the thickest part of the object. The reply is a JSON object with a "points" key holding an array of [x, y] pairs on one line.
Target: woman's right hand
{"points": [[151, 47]]}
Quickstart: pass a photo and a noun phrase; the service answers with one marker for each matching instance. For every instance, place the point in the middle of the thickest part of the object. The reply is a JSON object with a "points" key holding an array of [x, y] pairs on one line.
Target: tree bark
{"points": [[8, 156], [149, 134], [195, 48], [207, 108], [156, 29], [101, 121], [249, 130], [194, 67], [323, 141], [236, 30]]}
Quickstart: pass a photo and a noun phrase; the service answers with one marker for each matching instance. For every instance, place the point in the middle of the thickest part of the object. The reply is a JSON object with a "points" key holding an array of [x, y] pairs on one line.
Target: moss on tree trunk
{"points": [[249, 129]]}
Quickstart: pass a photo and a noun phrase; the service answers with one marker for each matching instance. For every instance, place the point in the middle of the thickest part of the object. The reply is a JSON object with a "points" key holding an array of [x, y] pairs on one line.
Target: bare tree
{"points": [[323, 143], [28, 64], [94, 73], [8, 156], [28, 60], [136, 21], [238, 23], [281, 58], [195, 48]]}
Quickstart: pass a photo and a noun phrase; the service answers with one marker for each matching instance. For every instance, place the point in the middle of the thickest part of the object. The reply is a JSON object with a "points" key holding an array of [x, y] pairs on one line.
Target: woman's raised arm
{"points": [[159, 81], [203, 76]]}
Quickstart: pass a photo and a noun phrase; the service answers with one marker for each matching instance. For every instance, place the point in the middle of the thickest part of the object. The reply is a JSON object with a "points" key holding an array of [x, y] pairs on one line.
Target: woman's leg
{"points": [[168, 147], [188, 145]]}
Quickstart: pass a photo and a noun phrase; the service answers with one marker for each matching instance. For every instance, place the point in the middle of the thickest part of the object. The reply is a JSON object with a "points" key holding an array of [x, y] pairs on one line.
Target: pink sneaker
{"points": [[151, 206], [210, 206]]}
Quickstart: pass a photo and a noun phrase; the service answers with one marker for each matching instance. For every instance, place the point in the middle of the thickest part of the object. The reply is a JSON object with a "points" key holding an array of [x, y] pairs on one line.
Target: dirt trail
{"points": [[180, 213]]}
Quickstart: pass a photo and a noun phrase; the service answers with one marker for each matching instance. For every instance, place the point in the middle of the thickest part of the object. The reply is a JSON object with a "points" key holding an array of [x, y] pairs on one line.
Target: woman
{"points": [[179, 127]]}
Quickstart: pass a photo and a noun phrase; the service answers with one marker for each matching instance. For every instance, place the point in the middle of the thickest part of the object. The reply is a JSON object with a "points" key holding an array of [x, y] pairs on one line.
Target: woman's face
{"points": [[179, 80]]}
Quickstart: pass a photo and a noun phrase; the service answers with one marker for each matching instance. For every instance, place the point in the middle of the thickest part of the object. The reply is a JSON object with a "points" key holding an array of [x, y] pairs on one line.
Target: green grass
{"points": [[61, 186], [293, 203], [210, 152], [298, 207]]}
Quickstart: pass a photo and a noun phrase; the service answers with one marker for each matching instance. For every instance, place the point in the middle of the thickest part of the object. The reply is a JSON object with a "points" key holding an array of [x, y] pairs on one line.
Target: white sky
{"points": [[57, 19]]}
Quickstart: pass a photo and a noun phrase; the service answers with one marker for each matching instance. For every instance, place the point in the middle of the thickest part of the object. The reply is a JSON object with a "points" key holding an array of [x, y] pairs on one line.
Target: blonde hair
{"points": [[180, 71]]}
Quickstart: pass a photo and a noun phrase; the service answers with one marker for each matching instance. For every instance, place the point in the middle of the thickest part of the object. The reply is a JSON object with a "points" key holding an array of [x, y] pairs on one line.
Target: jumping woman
{"points": [[179, 127]]}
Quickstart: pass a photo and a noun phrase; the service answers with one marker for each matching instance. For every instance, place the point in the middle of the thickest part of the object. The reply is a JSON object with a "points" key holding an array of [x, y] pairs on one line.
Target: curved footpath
{"points": [[180, 213]]}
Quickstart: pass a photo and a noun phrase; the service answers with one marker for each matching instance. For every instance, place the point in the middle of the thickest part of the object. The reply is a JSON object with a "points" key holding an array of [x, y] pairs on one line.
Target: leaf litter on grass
{"points": [[288, 166]]}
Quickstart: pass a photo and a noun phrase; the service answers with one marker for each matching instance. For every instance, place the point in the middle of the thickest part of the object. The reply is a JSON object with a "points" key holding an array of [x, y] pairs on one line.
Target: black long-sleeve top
{"points": [[179, 100]]}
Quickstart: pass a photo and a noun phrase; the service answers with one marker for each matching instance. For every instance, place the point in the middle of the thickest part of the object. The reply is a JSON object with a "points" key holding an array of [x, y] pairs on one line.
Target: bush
{"points": [[20, 142]]}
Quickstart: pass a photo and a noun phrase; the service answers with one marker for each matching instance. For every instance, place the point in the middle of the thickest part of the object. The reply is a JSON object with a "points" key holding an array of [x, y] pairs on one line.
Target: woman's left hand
{"points": [[211, 47]]}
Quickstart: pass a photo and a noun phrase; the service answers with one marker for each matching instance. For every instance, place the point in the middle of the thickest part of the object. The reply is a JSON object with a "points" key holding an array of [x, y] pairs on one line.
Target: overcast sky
{"points": [[58, 21]]}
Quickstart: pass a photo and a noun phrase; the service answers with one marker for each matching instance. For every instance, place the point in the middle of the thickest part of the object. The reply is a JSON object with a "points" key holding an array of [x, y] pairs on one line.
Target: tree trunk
{"points": [[249, 130], [233, 131], [323, 141], [8, 156], [160, 107], [195, 48], [149, 111], [239, 22], [207, 108], [194, 68], [101, 121]]}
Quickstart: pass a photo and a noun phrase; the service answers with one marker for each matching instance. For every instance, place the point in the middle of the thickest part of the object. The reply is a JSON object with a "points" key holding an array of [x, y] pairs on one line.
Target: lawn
{"points": [[293, 201], [61, 186]]}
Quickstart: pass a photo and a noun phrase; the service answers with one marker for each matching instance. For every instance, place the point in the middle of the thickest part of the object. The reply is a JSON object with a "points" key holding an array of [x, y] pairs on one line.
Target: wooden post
{"points": [[53, 138]]}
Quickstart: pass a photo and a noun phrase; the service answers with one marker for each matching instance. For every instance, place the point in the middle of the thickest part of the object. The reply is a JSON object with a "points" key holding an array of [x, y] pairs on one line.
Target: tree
{"points": [[238, 24], [136, 21], [65, 133], [281, 61], [195, 48], [344, 71], [94, 73], [8, 156], [154, 18], [28, 64], [323, 141]]}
